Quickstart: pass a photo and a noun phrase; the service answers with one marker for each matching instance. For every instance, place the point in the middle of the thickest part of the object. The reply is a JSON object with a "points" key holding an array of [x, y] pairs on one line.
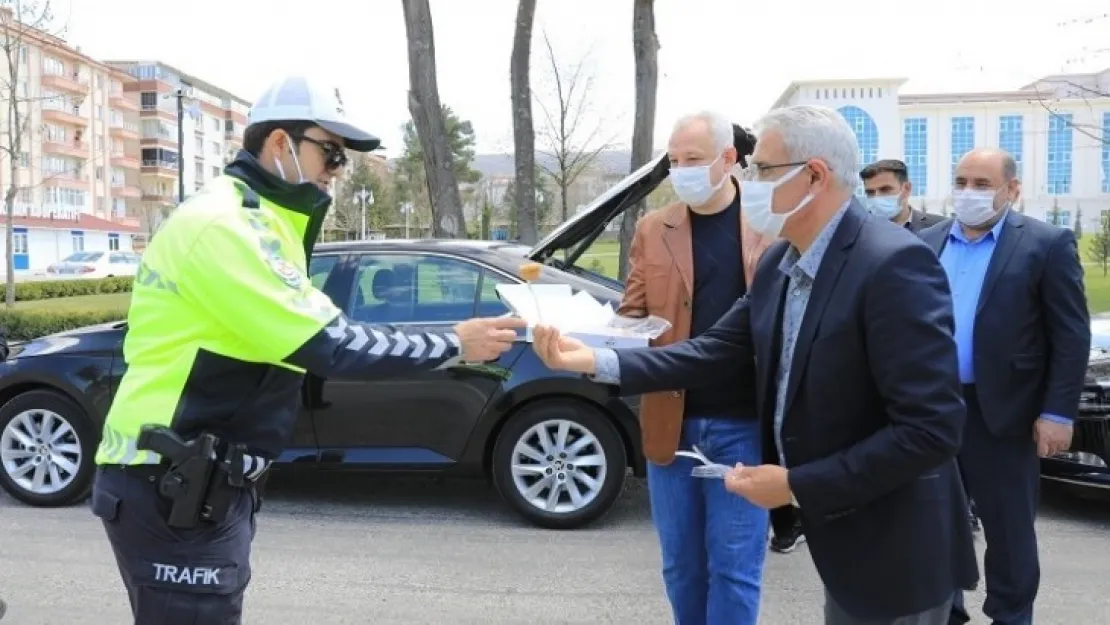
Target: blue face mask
{"points": [[885, 206], [694, 185]]}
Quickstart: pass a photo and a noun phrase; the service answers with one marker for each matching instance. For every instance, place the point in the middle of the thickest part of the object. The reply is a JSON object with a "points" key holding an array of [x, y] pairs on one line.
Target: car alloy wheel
{"points": [[40, 451], [560, 463], [46, 449], [559, 466]]}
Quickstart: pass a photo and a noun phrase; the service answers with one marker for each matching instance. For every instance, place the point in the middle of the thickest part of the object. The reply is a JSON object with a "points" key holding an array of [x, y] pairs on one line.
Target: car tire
{"points": [[75, 446], [520, 463]]}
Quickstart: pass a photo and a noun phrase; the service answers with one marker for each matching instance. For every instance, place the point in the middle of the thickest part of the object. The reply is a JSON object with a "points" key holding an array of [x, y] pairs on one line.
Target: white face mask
{"points": [[757, 199], [885, 206], [694, 185], [973, 208], [296, 161]]}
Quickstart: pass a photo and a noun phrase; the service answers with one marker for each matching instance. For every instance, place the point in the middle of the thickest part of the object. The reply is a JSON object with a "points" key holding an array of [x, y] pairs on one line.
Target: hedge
{"points": [[32, 291], [23, 325]]}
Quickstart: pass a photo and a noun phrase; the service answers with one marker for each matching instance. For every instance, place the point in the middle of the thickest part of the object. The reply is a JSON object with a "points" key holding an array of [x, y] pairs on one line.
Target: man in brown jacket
{"points": [[688, 263]]}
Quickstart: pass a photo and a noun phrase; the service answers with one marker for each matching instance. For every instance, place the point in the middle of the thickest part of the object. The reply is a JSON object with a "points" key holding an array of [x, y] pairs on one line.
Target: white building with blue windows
{"points": [[1057, 129]]}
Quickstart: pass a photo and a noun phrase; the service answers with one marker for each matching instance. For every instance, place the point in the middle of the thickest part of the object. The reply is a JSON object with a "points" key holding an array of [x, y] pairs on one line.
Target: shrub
{"points": [[32, 291], [23, 325]]}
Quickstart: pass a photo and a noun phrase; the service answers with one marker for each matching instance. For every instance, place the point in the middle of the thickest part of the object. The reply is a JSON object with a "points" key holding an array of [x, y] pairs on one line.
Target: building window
{"points": [[100, 172], [963, 140], [149, 100], [867, 133], [78, 240], [113, 242], [159, 157], [19, 242], [1059, 153], [215, 172], [216, 124], [200, 146], [199, 172], [99, 112], [915, 145], [53, 66], [215, 148], [24, 159], [1106, 152], [1011, 137], [54, 133]]}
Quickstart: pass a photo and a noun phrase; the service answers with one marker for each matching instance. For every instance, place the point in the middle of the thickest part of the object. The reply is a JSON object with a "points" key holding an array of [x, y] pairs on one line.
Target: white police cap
{"points": [[295, 98]]}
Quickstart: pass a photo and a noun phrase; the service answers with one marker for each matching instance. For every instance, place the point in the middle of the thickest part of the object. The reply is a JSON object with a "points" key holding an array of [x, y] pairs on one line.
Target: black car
{"points": [[556, 446]]}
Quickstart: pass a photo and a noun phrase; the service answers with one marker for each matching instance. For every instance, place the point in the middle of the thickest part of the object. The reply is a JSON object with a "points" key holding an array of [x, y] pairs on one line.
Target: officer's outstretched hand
{"points": [[486, 339]]}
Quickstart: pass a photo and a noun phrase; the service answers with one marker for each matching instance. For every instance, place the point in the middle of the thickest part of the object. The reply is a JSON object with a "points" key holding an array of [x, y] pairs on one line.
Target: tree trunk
{"points": [[524, 133], [645, 47], [427, 116], [564, 188]]}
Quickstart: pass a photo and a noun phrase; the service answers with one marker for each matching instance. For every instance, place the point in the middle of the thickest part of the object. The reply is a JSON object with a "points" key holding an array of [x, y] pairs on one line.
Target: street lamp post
{"points": [[406, 208], [365, 198], [180, 94]]}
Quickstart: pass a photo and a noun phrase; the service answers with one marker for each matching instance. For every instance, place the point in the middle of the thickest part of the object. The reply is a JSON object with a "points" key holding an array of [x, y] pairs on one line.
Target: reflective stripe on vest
{"points": [[119, 449]]}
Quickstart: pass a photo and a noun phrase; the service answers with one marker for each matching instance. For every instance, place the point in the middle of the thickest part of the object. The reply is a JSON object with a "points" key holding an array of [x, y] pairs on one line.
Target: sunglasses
{"points": [[334, 156]]}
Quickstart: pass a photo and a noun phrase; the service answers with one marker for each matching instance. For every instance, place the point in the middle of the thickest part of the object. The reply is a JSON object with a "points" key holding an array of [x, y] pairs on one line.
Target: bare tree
{"points": [[427, 115], [22, 21], [645, 47], [524, 132], [572, 141], [1052, 91]]}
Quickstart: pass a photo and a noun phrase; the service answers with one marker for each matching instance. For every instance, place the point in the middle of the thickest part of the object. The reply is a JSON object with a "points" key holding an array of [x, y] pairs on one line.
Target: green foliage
{"points": [[1098, 250], [411, 184], [31, 291], [23, 325], [348, 207]]}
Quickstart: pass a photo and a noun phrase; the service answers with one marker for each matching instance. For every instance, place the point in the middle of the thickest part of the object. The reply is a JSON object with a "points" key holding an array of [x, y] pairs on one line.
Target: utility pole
{"points": [[365, 198], [180, 95]]}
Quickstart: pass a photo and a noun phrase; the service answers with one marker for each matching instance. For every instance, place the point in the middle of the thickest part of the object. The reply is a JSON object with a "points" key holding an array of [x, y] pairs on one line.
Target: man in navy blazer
{"points": [[1023, 336], [848, 330]]}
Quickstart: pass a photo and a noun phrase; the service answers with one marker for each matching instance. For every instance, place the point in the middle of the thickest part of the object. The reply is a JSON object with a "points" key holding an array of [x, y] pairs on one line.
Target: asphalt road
{"points": [[387, 550]]}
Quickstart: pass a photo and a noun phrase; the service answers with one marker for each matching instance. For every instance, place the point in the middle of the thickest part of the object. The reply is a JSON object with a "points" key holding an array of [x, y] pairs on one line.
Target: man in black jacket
{"points": [[888, 187]]}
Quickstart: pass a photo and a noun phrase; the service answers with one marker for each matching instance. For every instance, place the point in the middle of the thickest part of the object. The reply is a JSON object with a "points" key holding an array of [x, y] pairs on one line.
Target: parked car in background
{"points": [[556, 446], [91, 265]]}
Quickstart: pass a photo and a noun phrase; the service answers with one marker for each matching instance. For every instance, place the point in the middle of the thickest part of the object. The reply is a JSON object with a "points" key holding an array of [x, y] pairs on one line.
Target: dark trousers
{"points": [[175, 576], [1003, 477], [835, 615]]}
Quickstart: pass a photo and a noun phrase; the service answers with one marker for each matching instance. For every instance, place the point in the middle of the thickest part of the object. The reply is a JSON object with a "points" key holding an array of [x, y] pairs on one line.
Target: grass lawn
{"points": [[91, 303]]}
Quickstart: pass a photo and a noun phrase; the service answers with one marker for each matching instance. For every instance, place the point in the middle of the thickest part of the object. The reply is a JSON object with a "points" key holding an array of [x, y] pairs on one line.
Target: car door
{"points": [[303, 444], [423, 419]]}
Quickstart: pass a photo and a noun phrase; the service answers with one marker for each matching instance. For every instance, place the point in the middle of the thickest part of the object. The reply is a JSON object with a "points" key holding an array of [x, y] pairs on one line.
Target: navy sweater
{"points": [[718, 283]]}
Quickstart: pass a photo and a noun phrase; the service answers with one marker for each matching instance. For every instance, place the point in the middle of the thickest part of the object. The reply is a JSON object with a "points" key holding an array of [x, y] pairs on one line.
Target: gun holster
{"points": [[199, 483]]}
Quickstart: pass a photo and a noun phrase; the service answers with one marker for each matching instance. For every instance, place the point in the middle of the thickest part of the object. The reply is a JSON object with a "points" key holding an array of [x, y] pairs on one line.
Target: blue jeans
{"points": [[713, 542]]}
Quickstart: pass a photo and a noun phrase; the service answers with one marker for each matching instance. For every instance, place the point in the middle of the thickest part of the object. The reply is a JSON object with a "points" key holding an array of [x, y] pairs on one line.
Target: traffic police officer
{"points": [[222, 326]]}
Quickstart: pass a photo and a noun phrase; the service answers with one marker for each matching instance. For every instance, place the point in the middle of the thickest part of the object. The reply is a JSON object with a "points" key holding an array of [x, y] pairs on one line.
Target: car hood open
{"points": [[578, 232]]}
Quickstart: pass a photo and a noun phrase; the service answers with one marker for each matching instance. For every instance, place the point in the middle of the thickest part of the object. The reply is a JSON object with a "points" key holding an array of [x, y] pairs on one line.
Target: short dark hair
{"points": [[889, 165], [744, 142], [1009, 167], [255, 134]]}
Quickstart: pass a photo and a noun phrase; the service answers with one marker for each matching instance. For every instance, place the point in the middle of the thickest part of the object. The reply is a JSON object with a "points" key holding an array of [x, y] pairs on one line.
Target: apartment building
{"points": [[212, 120], [77, 178]]}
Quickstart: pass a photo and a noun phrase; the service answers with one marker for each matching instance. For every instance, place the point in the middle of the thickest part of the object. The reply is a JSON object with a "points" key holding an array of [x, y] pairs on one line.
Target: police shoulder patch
{"points": [[285, 271]]}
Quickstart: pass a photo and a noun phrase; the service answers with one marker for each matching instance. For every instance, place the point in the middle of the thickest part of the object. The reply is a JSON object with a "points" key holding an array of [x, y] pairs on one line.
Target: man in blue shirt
{"points": [[1023, 336]]}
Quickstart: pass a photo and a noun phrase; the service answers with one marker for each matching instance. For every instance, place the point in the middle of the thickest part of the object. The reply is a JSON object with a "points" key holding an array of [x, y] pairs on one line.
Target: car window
{"points": [[320, 268], [83, 257], [119, 258], [412, 288]]}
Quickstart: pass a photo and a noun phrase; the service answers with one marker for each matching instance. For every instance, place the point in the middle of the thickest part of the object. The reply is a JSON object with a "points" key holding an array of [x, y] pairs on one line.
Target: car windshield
{"points": [[83, 257]]}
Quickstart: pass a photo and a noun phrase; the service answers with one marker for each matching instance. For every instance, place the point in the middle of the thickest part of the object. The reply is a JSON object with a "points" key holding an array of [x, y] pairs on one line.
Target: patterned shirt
{"points": [[801, 270]]}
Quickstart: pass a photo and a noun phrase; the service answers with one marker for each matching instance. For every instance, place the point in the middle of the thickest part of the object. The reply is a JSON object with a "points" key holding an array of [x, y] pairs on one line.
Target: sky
{"points": [[731, 56]]}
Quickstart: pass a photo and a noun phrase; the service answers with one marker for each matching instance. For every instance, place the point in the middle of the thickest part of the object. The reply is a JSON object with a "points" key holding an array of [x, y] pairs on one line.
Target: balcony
{"points": [[124, 130], [121, 102], [68, 180], [69, 148], [122, 159], [127, 191], [64, 117], [68, 84], [165, 169], [159, 197]]}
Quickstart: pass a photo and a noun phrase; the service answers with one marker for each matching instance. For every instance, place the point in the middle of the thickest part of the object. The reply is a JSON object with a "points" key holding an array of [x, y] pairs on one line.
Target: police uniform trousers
{"points": [[175, 576]]}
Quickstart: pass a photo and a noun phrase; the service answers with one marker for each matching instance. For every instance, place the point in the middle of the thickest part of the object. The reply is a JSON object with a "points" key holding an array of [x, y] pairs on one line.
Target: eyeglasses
{"points": [[334, 156], [757, 171]]}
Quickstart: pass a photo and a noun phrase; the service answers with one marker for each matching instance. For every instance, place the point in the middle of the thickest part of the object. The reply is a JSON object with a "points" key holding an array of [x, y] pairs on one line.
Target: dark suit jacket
{"points": [[874, 412], [1032, 329], [919, 221]]}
